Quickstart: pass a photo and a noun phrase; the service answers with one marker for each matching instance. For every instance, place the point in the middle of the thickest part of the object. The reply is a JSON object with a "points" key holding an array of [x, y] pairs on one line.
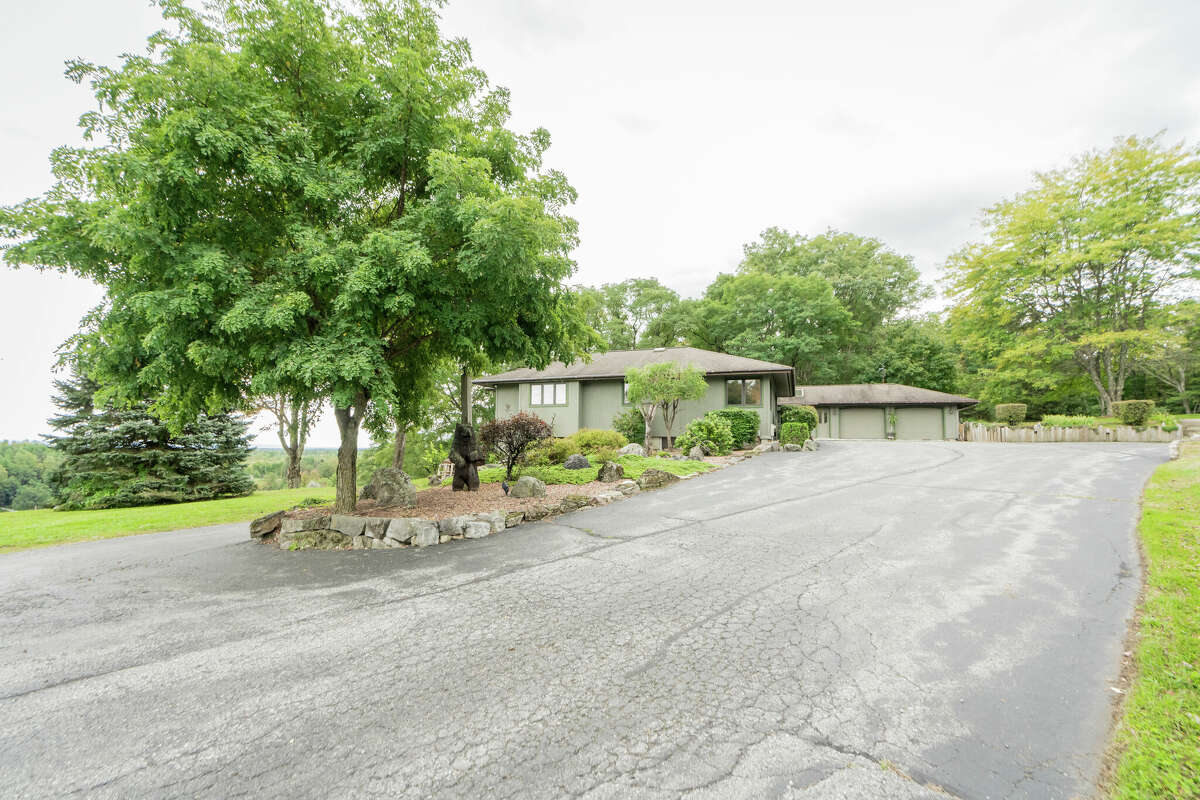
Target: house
{"points": [[879, 410], [588, 394]]}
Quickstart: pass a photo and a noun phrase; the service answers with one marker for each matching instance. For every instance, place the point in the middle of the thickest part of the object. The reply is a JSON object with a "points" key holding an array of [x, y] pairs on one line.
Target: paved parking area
{"points": [[870, 620]]}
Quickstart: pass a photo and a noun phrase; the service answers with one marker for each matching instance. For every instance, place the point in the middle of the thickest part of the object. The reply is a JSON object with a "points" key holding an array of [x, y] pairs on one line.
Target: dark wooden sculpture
{"points": [[467, 457]]}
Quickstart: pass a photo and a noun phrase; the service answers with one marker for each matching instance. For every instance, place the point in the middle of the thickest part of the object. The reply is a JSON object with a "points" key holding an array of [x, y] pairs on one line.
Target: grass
{"points": [[634, 467], [1160, 727], [21, 530]]}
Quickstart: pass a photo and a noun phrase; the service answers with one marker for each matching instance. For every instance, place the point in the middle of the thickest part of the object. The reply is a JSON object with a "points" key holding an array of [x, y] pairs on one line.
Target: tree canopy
{"points": [[1074, 271], [289, 198]]}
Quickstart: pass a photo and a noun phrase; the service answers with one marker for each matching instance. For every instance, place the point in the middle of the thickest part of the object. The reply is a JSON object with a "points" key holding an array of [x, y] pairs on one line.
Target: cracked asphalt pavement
{"points": [[876, 619]]}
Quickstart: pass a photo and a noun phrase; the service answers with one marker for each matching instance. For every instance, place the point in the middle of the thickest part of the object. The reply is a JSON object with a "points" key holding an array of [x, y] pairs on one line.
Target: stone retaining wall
{"points": [[974, 432]]}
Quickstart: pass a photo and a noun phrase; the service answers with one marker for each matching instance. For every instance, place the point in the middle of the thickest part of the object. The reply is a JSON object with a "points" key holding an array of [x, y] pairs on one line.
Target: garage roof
{"points": [[615, 363], [873, 394]]}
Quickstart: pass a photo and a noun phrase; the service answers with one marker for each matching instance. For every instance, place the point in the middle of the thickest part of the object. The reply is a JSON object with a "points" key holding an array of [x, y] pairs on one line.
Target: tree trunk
{"points": [[668, 411], [464, 397], [347, 463], [649, 419], [293, 469], [401, 438]]}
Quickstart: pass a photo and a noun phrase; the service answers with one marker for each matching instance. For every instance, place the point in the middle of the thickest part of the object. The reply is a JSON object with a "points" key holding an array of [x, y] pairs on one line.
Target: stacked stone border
{"points": [[338, 531]]}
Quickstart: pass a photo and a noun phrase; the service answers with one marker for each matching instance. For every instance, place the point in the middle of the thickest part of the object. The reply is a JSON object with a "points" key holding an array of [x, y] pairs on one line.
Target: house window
{"points": [[743, 392], [548, 394], [625, 393]]}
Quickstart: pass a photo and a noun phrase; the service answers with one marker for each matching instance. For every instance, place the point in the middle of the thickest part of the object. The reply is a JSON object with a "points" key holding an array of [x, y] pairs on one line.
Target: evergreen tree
{"points": [[114, 457]]}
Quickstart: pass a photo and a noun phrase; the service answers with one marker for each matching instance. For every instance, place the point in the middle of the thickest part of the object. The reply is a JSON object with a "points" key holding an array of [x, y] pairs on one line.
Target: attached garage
{"points": [[881, 411], [863, 423]]}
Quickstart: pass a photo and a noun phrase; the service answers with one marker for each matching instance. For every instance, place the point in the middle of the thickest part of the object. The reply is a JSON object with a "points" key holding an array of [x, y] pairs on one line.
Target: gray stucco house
{"points": [[589, 394], [875, 410]]}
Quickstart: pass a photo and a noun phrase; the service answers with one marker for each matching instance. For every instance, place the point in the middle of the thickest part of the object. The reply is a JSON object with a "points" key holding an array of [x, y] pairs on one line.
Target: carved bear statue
{"points": [[466, 456]]}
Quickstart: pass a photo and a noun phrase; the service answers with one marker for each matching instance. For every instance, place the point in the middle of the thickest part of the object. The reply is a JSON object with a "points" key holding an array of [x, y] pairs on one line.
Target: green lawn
{"points": [[23, 529], [1160, 730]]}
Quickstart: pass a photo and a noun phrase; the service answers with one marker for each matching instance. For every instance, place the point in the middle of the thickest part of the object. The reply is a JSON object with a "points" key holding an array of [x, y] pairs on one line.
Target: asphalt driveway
{"points": [[870, 620]]}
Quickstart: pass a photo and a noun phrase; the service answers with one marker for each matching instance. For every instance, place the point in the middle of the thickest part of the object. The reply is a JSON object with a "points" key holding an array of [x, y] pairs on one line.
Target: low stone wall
{"points": [[974, 432]]}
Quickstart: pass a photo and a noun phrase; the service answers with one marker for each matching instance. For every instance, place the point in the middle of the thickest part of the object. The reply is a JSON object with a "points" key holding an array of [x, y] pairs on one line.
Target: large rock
{"points": [[696, 453], [632, 449], [348, 525], [534, 513], [574, 502], [424, 533], [576, 461], [610, 472], [514, 518], [376, 527], [476, 530], [528, 486], [810, 445], [266, 526], [317, 523], [655, 478], [766, 447], [494, 520], [793, 448], [627, 487], [400, 530], [452, 526], [391, 487]]}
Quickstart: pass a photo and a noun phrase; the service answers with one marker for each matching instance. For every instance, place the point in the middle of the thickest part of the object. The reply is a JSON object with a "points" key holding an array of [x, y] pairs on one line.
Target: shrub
{"points": [[1010, 413], [805, 414], [549, 452], [602, 454], [512, 436], [711, 432], [743, 423], [631, 424], [1133, 412], [1069, 421], [588, 440], [1168, 422], [794, 433]]}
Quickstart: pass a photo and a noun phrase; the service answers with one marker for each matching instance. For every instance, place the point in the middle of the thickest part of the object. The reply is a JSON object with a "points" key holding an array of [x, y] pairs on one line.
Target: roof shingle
{"points": [[615, 363], [873, 394]]}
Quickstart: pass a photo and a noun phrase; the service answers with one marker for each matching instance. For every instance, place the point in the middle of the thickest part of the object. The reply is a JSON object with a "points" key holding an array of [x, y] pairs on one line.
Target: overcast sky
{"points": [[688, 127]]}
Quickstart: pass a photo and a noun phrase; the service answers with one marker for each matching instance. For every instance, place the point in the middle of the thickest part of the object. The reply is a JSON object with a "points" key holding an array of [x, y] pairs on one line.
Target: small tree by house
{"points": [[511, 437], [663, 386]]}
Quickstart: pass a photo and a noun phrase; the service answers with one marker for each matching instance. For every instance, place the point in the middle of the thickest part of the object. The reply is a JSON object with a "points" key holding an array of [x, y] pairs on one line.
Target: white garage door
{"points": [[919, 423], [862, 423]]}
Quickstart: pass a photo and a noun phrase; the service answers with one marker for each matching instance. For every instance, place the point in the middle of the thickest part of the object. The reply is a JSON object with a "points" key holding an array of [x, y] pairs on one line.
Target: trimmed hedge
{"points": [[743, 423], [711, 432], [805, 414], [589, 440], [1011, 413], [1133, 412], [794, 433], [631, 424]]}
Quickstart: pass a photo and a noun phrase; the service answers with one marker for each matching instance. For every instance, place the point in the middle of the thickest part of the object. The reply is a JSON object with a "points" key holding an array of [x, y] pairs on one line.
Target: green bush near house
{"points": [[794, 433], [805, 414], [1133, 412], [1069, 421], [1011, 413], [743, 424], [631, 424], [713, 433], [588, 440], [634, 467]]}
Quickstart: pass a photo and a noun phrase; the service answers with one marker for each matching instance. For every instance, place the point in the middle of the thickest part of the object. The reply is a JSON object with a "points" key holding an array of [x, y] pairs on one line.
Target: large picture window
{"points": [[743, 392], [548, 394]]}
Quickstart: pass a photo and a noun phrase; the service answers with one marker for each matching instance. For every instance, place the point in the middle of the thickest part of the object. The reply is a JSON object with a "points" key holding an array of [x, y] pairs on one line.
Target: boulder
{"points": [[632, 449], [400, 530], [317, 523], [574, 502], [793, 448], [376, 544], [696, 453], [424, 533], [359, 543], [514, 518], [452, 526], [604, 498], [627, 487], [610, 472], [494, 519], [348, 525], [391, 487], [534, 513], [766, 447], [655, 478], [266, 526], [476, 530], [528, 486], [376, 527], [810, 445], [576, 461]]}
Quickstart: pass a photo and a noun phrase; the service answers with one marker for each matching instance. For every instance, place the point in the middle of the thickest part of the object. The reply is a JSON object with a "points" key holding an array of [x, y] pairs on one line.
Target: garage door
{"points": [[862, 423], [918, 423]]}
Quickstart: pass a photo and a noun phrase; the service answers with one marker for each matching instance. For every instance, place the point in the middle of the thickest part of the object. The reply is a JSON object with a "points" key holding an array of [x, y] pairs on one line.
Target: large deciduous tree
{"points": [[288, 198], [639, 312], [1073, 271]]}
